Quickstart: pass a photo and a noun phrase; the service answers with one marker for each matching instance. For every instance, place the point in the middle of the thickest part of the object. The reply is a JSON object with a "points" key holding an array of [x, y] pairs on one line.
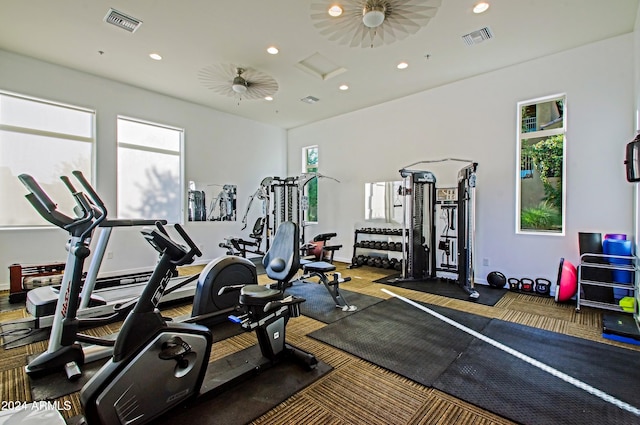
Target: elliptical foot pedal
{"points": [[347, 307], [72, 370]]}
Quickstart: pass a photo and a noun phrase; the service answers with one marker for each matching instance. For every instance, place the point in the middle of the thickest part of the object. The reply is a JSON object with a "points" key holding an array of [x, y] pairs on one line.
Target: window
{"points": [[310, 165], [45, 140], [149, 171], [540, 174]]}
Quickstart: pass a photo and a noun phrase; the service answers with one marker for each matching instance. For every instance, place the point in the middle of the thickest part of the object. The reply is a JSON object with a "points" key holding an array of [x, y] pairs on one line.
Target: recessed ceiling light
{"points": [[343, 87], [155, 56], [481, 7], [402, 65], [272, 50], [269, 98], [335, 11]]}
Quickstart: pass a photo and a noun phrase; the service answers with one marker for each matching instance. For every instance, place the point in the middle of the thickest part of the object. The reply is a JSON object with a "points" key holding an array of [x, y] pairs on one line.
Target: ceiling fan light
{"points": [[239, 88], [373, 18], [239, 85]]}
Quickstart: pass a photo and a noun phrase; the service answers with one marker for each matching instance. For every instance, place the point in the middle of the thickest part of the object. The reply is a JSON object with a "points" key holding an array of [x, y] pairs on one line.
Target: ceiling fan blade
{"points": [[220, 78], [402, 19]]}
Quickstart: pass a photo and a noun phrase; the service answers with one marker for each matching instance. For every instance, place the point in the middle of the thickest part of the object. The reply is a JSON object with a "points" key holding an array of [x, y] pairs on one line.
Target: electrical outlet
{"points": [[110, 255], [485, 262]]}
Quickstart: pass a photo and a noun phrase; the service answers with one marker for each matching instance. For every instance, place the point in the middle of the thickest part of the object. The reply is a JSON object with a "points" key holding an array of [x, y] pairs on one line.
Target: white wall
{"points": [[476, 119], [636, 57], [219, 148]]}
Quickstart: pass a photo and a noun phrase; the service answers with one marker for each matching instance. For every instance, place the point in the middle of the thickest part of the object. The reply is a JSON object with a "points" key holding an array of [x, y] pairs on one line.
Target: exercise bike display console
{"points": [[158, 365]]}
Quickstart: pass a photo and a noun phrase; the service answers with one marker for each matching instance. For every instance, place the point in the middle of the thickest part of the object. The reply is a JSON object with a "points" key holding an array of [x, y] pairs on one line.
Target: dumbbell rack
{"points": [[380, 243]]}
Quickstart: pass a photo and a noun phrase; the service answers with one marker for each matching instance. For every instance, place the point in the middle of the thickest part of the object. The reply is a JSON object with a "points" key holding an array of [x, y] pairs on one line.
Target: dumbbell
{"points": [[370, 261], [361, 260], [377, 262], [386, 263], [384, 245], [398, 265]]}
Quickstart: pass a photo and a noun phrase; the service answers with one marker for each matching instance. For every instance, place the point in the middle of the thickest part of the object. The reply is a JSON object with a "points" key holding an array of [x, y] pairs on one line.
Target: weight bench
{"points": [[318, 250], [240, 247], [320, 269]]}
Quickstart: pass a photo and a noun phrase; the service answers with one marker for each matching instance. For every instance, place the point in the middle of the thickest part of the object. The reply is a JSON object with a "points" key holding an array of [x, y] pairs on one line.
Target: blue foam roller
{"points": [[619, 247]]}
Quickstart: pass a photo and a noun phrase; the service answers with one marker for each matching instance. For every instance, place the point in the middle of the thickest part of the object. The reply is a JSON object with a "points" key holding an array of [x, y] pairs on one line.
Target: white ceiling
{"points": [[194, 34]]}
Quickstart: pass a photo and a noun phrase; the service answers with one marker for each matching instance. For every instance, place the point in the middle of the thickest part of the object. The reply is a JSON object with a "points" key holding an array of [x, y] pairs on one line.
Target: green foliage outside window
{"points": [[547, 158], [311, 166]]}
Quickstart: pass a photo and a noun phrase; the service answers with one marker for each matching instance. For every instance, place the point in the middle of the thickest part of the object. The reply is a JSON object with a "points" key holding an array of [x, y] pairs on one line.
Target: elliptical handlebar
{"points": [[163, 243], [92, 193], [49, 210]]}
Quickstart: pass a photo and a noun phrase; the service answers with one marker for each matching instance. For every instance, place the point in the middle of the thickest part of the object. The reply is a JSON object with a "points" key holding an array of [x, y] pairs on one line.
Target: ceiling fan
{"points": [[371, 23], [238, 81]]}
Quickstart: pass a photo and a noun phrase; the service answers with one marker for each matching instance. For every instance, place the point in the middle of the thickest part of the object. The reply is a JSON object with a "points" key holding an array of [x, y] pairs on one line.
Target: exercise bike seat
{"points": [[318, 267], [258, 295]]}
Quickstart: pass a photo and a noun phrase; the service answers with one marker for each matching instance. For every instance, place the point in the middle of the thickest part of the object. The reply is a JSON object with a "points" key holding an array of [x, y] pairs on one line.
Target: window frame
{"points": [[180, 154], [92, 140], [305, 169], [520, 135]]}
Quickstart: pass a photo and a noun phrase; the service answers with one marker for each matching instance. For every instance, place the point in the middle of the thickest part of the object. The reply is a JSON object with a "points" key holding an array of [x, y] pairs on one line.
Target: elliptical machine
{"points": [[178, 353], [64, 351]]}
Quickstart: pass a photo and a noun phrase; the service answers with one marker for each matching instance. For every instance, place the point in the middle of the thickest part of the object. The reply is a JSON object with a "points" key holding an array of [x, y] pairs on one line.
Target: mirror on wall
{"points": [[540, 175], [382, 202], [211, 202]]}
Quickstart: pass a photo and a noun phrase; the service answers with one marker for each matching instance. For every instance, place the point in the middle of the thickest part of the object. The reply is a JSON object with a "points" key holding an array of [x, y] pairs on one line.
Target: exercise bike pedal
{"points": [[237, 319]]}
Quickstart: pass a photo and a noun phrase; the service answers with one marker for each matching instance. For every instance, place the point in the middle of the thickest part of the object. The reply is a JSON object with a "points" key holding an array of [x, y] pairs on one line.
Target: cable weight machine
{"points": [[282, 200], [418, 225], [423, 200]]}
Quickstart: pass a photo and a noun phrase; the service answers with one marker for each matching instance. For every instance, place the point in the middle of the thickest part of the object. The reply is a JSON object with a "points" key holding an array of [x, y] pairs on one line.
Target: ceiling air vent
{"points": [[310, 100], [123, 21], [477, 36]]}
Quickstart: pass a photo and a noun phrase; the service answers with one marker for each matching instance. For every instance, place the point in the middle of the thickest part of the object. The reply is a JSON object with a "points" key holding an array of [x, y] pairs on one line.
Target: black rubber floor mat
{"points": [[507, 385], [402, 338], [249, 399], [19, 333], [56, 385], [488, 295], [319, 304]]}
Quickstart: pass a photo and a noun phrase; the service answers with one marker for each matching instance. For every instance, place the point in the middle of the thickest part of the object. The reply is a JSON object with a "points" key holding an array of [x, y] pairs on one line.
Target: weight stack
{"points": [[591, 243]]}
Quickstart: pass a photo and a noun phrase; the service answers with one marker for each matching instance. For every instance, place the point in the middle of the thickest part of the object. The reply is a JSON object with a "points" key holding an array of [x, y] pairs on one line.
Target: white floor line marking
{"points": [[555, 372]]}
